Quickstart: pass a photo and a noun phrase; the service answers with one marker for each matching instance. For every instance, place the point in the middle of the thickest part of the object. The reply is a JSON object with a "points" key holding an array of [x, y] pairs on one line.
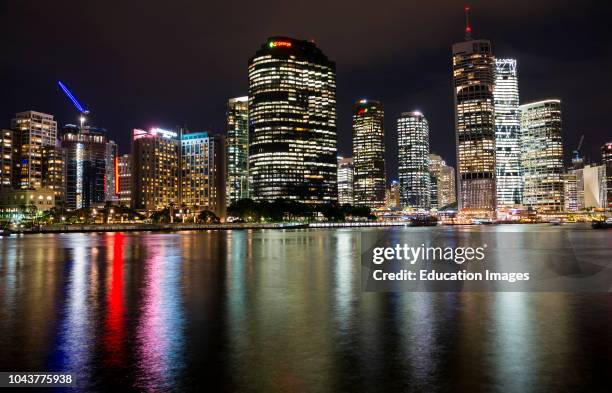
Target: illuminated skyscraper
{"points": [[112, 172], [369, 153], [444, 176], [54, 171], [124, 169], [85, 149], [474, 77], [6, 158], [507, 135], [155, 169], [292, 122], [393, 195], [345, 180], [202, 173], [571, 197], [542, 155], [237, 152], [606, 155], [31, 132], [413, 158]]}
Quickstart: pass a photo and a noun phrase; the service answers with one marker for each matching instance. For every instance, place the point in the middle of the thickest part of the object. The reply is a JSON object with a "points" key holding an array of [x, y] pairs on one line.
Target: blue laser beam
{"points": [[72, 98]]}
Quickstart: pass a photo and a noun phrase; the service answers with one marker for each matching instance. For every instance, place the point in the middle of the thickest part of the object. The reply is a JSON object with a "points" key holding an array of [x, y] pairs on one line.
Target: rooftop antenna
{"points": [[468, 28]]}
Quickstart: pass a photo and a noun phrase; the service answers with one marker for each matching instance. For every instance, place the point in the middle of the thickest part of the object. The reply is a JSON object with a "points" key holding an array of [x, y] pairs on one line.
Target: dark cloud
{"points": [[137, 64]]}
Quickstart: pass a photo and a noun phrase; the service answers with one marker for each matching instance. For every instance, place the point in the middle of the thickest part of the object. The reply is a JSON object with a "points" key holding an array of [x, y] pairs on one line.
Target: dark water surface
{"points": [[280, 311]]}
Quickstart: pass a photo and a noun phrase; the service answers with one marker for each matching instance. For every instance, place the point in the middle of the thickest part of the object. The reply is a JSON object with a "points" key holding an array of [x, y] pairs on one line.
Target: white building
{"points": [[509, 181]]}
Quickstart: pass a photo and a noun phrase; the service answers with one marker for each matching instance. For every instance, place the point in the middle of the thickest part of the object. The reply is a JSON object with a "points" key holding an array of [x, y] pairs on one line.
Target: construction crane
{"points": [[84, 112]]}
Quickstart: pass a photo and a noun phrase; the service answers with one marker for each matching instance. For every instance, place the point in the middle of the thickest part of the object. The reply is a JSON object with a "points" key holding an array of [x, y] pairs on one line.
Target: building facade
{"points": [[155, 169], [542, 155], [473, 79], [345, 180], [237, 149], [393, 195], [54, 171], [369, 153], [124, 169], [606, 155], [32, 131], [444, 176], [292, 122], [85, 152], [6, 159], [202, 172], [509, 180], [112, 172], [413, 159]]}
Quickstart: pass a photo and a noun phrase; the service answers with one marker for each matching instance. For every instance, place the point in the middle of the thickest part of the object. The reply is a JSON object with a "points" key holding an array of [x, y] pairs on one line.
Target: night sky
{"points": [[168, 63]]}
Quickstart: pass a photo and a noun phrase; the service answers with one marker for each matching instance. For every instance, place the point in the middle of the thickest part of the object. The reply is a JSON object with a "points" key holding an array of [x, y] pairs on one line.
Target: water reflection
{"points": [[160, 327], [76, 344], [284, 311]]}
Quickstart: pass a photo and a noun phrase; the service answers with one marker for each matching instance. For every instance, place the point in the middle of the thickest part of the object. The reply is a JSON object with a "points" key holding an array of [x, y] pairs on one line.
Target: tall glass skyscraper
{"points": [[474, 77], [237, 149], [542, 155], [292, 122], [369, 153], [86, 150], [345, 180], [413, 158], [507, 135]]}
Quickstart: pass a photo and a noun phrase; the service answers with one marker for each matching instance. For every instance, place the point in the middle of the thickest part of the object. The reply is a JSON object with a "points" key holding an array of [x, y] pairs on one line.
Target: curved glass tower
{"points": [[292, 122]]}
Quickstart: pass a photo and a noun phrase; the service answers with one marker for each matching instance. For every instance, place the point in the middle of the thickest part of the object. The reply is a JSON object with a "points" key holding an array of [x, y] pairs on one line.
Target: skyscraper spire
{"points": [[468, 28]]}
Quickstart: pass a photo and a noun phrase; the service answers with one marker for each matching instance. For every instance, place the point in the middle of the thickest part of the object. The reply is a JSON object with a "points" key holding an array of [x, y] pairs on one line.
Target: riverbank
{"points": [[119, 227]]}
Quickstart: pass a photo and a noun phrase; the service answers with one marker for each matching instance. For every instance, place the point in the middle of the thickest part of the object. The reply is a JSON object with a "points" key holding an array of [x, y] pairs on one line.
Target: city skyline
{"points": [[383, 71]]}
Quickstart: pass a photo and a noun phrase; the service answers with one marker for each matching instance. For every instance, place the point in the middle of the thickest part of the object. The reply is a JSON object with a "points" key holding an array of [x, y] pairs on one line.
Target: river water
{"points": [[280, 311]]}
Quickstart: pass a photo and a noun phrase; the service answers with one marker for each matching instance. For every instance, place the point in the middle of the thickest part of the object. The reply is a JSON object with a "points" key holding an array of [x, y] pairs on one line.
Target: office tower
{"points": [[570, 190], [54, 170], [345, 180], [237, 151], [369, 153], [542, 155], [413, 158], [392, 197], [202, 171], [31, 132], [473, 77], [6, 159], [155, 169], [445, 181], [85, 151], [292, 122], [124, 169], [112, 172], [606, 155], [509, 180]]}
